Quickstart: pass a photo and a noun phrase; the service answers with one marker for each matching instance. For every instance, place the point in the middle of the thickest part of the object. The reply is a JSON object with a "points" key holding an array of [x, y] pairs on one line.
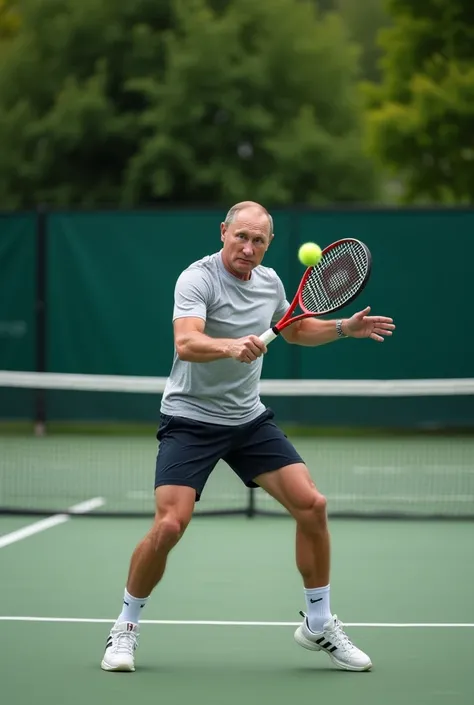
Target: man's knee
{"points": [[174, 509], [167, 531], [319, 504], [313, 515]]}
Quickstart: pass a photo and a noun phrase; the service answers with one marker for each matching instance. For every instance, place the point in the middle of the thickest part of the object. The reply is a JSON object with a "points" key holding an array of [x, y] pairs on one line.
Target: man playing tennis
{"points": [[211, 410]]}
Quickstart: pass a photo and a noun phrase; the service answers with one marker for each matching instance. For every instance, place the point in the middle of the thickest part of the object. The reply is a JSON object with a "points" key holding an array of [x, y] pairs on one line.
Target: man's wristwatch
{"points": [[339, 331]]}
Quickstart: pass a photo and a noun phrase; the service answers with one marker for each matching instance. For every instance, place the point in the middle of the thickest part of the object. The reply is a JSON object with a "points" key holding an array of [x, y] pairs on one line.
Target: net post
{"points": [[250, 513], [40, 317]]}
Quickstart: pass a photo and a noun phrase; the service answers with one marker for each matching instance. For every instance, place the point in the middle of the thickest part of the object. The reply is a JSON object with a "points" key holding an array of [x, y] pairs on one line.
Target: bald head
{"points": [[249, 207], [246, 234]]}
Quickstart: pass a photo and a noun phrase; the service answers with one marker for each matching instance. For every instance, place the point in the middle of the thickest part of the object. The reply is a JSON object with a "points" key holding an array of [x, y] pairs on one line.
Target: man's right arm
{"points": [[193, 345]]}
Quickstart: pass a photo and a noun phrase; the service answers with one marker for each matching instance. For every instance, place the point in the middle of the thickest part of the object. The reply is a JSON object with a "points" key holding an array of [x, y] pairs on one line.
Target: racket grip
{"points": [[268, 336]]}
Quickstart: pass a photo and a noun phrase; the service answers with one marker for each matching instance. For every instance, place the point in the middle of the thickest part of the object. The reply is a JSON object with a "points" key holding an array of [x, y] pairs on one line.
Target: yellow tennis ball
{"points": [[309, 254]]}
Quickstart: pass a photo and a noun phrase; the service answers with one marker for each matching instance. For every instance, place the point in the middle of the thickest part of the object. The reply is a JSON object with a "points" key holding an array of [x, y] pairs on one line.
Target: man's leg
{"points": [[293, 487], [187, 454], [174, 508], [264, 456]]}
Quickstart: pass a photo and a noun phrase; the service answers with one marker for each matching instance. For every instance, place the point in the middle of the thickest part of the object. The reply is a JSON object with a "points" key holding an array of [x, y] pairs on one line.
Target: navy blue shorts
{"points": [[189, 450]]}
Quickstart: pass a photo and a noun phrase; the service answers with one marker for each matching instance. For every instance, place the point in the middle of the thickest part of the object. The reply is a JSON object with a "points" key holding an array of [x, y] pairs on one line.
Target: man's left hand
{"points": [[361, 325]]}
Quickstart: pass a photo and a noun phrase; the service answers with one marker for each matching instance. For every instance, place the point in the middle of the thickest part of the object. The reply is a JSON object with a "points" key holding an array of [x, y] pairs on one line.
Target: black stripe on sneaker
{"points": [[327, 645], [333, 649], [319, 641]]}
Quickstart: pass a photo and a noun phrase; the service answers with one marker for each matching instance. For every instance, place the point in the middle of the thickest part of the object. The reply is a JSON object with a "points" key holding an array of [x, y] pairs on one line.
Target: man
{"points": [[211, 410]]}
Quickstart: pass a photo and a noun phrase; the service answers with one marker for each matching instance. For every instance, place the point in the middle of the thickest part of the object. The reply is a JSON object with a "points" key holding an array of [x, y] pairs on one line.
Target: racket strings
{"points": [[337, 277]]}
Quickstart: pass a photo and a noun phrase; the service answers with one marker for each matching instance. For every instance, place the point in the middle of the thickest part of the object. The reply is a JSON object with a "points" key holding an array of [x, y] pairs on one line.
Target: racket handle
{"points": [[268, 336]]}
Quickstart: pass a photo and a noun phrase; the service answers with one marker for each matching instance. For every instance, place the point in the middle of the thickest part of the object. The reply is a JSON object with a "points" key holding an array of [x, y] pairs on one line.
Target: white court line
{"points": [[55, 520], [213, 623], [87, 506]]}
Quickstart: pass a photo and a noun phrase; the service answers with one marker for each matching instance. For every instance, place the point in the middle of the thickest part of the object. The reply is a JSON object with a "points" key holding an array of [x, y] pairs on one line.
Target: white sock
{"points": [[131, 608], [318, 610]]}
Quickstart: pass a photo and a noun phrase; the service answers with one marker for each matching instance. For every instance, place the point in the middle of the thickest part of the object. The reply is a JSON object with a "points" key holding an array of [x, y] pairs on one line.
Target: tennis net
{"points": [[86, 444]]}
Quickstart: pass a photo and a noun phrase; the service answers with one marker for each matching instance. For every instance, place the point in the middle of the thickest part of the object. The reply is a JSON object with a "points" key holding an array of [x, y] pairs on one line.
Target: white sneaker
{"points": [[335, 642], [120, 648]]}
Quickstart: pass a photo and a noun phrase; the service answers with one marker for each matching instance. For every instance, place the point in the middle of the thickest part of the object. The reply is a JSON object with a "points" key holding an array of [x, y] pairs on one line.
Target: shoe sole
{"points": [[311, 646], [122, 668]]}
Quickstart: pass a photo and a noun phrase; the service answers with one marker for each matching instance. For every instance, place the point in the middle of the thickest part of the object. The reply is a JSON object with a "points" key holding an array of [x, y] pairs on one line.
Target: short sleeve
{"points": [[191, 295], [282, 305]]}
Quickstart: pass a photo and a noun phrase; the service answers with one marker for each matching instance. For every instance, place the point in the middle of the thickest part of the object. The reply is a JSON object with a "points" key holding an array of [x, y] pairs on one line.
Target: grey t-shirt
{"points": [[223, 391]]}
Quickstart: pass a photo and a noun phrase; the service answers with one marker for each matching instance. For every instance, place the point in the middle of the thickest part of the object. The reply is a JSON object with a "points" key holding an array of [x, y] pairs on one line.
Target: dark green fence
{"points": [[109, 291], [17, 292]]}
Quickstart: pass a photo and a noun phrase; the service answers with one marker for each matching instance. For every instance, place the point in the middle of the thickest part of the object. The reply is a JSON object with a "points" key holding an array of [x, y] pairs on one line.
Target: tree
{"points": [[67, 123], [364, 19], [421, 118], [202, 100], [9, 19]]}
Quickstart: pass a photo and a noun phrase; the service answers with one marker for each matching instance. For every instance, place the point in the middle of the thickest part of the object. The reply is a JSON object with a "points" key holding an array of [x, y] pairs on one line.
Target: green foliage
{"points": [[166, 100], [9, 19], [364, 19], [421, 119]]}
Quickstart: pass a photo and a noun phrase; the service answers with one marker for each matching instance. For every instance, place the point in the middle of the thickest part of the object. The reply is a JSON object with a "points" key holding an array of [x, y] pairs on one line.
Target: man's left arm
{"points": [[315, 331]]}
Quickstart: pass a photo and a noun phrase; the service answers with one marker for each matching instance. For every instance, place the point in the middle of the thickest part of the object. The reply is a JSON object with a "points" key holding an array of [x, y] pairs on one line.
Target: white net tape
{"points": [[269, 387]]}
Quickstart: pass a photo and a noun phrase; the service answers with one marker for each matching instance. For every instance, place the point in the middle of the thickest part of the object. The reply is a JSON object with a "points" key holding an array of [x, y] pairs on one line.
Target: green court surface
{"points": [[404, 589]]}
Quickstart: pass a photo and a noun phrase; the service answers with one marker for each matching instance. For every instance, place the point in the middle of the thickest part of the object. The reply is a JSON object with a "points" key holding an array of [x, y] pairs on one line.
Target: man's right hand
{"points": [[247, 349]]}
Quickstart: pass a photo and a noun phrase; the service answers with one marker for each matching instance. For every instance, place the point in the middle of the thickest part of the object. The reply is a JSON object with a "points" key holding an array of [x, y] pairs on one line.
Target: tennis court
{"points": [[219, 628]]}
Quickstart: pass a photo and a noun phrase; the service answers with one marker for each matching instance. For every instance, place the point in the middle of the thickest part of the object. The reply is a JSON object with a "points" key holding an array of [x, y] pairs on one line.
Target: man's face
{"points": [[245, 241]]}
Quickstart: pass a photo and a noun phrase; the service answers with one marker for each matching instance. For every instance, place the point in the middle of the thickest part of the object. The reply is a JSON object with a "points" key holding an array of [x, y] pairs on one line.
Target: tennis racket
{"points": [[338, 278]]}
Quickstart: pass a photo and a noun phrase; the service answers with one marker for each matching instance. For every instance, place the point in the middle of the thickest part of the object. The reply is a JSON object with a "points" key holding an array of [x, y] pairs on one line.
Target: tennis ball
{"points": [[309, 254]]}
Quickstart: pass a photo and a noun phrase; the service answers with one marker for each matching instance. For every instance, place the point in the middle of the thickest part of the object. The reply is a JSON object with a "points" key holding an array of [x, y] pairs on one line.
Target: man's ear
{"points": [[223, 230]]}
